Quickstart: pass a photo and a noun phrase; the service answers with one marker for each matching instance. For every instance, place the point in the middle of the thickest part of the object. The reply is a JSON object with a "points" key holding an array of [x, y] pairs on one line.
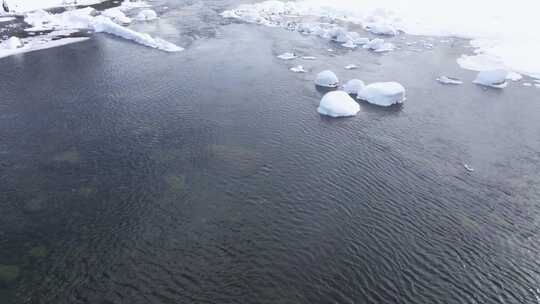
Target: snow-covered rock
{"points": [[353, 86], [327, 79], [76, 20], [287, 56], [492, 78], [378, 45], [12, 43], [298, 69], [146, 15], [449, 80], [116, 15], [383, 93], [338, 104]]}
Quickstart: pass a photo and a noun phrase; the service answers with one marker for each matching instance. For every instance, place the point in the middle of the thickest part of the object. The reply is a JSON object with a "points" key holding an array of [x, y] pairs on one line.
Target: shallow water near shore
{"points": [[129, 175]]}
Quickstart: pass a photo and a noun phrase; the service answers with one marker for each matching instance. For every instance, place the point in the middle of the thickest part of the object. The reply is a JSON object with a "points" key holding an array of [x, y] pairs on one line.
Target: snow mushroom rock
{"points": [[492, 78], [383, 93], [353, 86], [327, 79], [146, 15], [338, 104]]}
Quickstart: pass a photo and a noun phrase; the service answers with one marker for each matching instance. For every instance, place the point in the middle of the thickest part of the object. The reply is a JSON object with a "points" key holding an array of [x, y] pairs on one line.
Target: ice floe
{"points": [[353, 86], [492, 78], [449, 80], [327, 79], [146, 15], [298, 69], [338, 104], [383, 93], [287, 56]]}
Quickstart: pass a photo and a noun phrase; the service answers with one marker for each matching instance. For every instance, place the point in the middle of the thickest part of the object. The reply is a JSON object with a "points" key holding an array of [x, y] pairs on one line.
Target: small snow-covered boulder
{"points": [[492, 78], [353, 86], [378, 45], [146, 15], [327, 79], [338, 104], [13, 43], [383, 93]]}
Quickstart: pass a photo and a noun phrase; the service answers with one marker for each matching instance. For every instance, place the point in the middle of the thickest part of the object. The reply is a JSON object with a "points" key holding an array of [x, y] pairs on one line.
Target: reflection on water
{"points": [[132, 176]]}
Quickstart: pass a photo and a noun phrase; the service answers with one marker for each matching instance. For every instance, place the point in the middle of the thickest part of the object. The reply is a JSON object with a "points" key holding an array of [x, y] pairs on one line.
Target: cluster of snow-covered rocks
{"points": [[61, 25], [339, 103]]}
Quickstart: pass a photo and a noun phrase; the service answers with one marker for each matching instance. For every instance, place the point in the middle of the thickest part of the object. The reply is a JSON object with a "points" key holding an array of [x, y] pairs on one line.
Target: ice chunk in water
{"points": [[287, 56], [492, 78], [449, 80], [298, 69], [383, 93], [338, 104]]}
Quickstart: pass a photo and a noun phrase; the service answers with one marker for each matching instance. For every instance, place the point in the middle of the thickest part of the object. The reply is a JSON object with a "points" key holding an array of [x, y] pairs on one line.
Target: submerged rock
{"points": [[38, 252], [338, 104], [9, 273], [353, 86], [383, 93], [327, 79], [492, 78], [175, 182]]}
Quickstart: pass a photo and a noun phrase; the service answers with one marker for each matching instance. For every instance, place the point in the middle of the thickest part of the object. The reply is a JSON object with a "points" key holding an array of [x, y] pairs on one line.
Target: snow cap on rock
{"points": [[338, 104], [327, 79]]}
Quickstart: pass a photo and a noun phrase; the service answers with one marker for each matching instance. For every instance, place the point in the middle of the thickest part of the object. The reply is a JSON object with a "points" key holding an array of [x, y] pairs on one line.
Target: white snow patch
{"points": [[505, 34], [327, 79], [287, 56], [449, 80], [353, 86], [378, 45], [514, 76], [129, 5], [38, 43], [492, 78], [351, 67], [22, 6], [12, 43], [116, 15], [298, 69], [338, 104], [84, 19], [383, 93], [309, 57], [146, 15], [6, 19]]}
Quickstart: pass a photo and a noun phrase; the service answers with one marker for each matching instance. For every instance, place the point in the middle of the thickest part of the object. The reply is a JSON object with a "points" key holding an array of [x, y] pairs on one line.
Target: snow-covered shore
{"points": [[505, 35], [22, 6]]}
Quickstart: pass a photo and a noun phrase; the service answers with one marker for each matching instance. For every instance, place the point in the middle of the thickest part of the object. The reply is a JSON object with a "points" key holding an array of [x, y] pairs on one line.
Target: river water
{"points": [[129, 175]]}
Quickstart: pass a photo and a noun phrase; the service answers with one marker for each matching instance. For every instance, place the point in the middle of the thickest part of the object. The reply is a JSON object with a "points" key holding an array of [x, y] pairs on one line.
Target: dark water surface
{"points": [[129, 175]]}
